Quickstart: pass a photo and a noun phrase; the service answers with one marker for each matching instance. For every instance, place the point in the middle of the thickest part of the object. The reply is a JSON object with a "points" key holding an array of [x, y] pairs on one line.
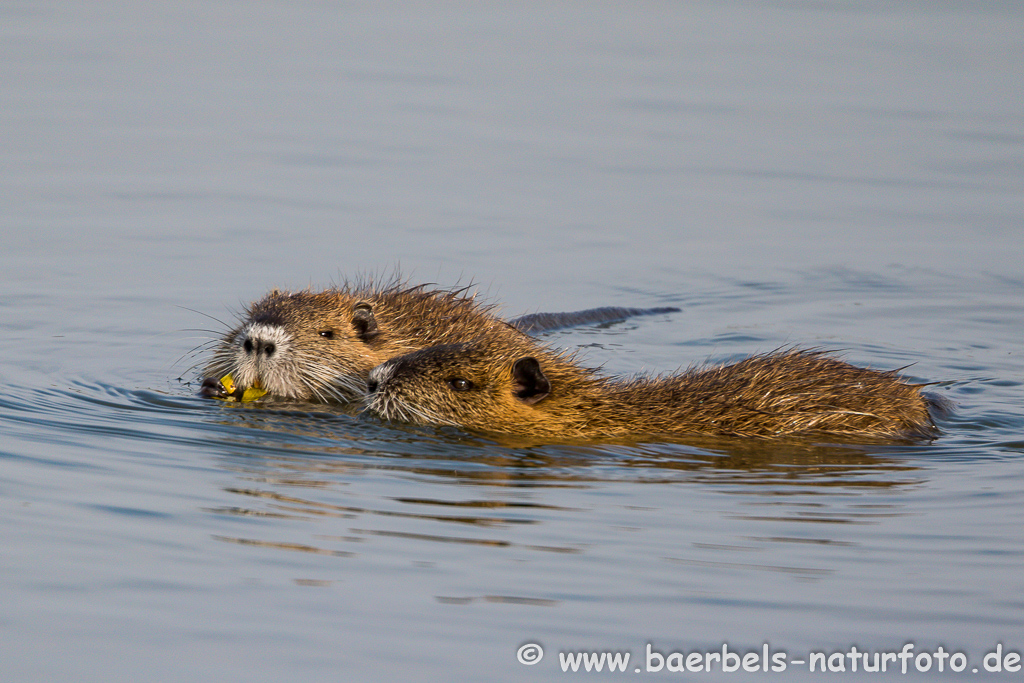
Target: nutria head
{"points": [[482, 386], [303, 345]]}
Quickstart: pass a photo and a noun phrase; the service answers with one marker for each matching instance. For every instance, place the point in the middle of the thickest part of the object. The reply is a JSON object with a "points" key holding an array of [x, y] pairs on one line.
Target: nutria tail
{"points": [[546, 322], [939, 407]]}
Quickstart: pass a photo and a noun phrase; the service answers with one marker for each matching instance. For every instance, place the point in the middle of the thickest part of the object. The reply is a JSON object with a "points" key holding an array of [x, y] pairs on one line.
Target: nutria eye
{"points": [[459, 384], [327, 334]]}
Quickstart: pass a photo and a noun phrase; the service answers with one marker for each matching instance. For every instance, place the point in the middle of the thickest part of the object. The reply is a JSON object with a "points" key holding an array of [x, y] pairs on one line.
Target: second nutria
{"points": [[499, 387], [321, 346]]}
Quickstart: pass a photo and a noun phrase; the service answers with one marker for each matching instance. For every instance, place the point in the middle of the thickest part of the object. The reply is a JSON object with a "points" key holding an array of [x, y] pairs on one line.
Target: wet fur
{"points": [[516, 390], [323, 344]]}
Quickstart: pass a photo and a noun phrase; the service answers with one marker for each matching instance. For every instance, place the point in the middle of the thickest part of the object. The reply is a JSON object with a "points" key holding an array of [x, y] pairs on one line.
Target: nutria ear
{"points": [[364, 322], [528, 381]]}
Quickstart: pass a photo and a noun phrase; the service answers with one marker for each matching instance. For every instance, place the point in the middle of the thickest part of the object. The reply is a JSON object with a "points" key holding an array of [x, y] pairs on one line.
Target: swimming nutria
{"points": [[322, 345], [496, 386]]}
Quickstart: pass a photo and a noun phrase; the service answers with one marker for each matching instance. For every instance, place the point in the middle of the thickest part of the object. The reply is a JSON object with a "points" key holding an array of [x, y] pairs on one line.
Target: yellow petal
{"points": [[250, 394], [253, 393], [228, 382]]}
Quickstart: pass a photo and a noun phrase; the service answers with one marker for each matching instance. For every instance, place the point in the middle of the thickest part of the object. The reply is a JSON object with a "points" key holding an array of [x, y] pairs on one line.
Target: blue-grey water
{"points": [[844, 175]]}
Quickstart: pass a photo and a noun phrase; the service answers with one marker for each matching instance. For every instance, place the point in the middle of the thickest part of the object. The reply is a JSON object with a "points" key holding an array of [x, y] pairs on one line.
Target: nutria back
{"points": [[501, 387]]}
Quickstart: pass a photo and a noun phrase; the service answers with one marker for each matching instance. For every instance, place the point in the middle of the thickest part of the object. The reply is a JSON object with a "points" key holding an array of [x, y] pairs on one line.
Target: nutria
{"points": [[322, 345], [496, 386]]}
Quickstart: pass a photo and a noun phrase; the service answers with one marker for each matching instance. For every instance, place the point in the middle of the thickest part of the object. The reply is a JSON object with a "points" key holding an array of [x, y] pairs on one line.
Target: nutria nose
{"points": [[257, 346], [371, 385]]}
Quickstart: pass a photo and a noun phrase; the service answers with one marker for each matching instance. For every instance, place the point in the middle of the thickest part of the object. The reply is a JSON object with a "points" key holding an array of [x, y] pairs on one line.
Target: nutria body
{"points": [[497, 387], [321, 346]]}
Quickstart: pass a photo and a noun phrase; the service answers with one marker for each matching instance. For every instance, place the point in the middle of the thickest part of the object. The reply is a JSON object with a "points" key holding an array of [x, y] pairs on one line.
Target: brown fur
{"points": [[322, 345], [496, 386]]}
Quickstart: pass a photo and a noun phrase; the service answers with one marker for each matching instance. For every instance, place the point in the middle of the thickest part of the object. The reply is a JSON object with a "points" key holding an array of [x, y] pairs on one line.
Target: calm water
{"points": [[846, 175]]}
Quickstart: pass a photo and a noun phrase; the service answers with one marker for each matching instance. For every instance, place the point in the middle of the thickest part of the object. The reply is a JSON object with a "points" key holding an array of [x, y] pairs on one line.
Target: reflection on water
{"points": [[447, 452], [309, 476], [297, 547]]}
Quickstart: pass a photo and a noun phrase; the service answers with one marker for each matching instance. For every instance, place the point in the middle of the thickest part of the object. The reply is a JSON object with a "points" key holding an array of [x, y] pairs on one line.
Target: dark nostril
{"points": [[371, 386], [247, 346], [269, 350]]}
